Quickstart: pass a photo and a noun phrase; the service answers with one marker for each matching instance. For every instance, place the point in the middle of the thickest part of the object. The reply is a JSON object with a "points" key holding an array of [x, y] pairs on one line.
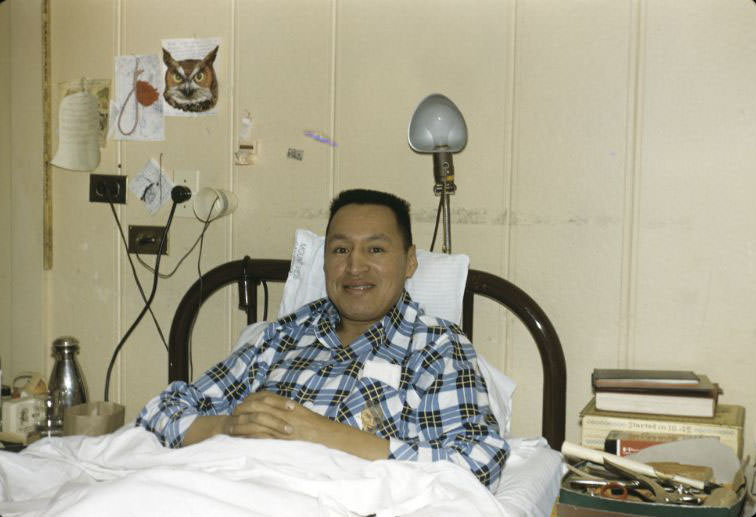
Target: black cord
{"points": [[197, 241], [265, 300], [133, 270], [199, 273], [181, 260], [438, 217], [202, 240], [146, 305]]}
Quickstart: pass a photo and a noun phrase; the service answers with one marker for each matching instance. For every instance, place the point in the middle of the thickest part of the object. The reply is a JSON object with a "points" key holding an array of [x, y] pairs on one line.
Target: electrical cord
{"points": [[147, 303], [265, 300], [206, 223], [438, 217], [244, 294], [181, 260], [201, 240], [133, 270]]}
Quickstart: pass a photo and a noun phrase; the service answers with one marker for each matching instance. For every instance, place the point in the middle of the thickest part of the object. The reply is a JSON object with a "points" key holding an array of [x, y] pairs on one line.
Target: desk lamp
{"points": [[437, 127]]}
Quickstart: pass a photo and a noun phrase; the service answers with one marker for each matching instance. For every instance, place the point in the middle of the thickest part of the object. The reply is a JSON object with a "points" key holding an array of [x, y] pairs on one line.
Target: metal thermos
{"points": [[67, 385]]}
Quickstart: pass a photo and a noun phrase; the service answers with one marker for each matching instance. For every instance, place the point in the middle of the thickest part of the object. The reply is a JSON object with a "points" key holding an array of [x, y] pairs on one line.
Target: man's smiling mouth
{"points": [[358, 287]]}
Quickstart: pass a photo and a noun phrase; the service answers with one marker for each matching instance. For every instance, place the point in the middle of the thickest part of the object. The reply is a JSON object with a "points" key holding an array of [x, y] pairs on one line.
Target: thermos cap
{"points": [[66, 343]]}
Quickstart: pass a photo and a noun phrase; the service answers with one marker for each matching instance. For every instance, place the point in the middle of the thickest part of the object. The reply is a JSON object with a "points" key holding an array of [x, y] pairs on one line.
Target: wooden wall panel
{"points": [[572, 85], [5, 187], [606, 173], [696, 280]]}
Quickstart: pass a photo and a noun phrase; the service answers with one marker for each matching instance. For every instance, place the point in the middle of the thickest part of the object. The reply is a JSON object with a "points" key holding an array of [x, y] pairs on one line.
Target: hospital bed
{"points": [[128, 472], [531, 477], [249, 274]]}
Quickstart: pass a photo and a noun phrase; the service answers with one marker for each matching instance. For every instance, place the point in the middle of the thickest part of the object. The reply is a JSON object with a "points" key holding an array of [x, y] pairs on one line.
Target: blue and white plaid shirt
{"points": [[410, 378]]}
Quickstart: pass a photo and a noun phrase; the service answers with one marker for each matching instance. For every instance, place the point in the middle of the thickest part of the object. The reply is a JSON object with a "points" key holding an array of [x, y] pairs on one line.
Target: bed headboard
{"points": [[248, 273]]}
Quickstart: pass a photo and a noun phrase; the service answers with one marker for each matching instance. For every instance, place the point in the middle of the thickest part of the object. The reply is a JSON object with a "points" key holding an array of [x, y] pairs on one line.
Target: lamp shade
{"points": [[437, 125]]}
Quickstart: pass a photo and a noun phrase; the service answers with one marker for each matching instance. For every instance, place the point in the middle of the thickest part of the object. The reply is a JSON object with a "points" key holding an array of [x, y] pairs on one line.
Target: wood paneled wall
{"points": [[609, 172]]}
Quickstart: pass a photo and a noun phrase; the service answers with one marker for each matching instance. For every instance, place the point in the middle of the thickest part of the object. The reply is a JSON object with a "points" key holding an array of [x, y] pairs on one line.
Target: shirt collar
{"points": [[389, 337]]}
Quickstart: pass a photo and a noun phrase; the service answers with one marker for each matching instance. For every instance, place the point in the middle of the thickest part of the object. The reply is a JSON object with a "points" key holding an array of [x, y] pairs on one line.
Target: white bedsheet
{"points": [[129, 473]]}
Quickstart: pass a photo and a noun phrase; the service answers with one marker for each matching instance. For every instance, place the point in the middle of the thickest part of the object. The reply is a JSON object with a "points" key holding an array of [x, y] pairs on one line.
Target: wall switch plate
{"points": [[188, 179], [145, 240], [104, 186]]}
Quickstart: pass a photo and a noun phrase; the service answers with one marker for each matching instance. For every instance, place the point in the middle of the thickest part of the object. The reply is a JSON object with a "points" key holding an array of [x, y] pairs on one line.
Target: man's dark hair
{"points": [[397, 205]]}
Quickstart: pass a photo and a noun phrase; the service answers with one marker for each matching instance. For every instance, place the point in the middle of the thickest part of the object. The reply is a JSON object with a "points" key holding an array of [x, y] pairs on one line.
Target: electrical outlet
{"points": [[188, 179], [104, 186], [145, 240]]}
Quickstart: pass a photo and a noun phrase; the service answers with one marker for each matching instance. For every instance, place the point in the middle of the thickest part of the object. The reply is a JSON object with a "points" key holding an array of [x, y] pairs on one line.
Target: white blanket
{"points": [[129, 473]]}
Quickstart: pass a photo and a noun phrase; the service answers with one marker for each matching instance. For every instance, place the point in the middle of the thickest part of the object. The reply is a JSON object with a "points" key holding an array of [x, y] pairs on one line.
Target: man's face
{"points": [[365, 263]]}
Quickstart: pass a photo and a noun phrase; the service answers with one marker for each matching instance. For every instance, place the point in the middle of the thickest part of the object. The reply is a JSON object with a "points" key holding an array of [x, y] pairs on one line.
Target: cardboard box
{"points": [[568, 510], [93, 418], [574, 501], [726, 425]]}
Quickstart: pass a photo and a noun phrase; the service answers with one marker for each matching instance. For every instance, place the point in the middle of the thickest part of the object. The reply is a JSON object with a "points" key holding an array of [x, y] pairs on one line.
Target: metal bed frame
{"points": [[248, 274]]}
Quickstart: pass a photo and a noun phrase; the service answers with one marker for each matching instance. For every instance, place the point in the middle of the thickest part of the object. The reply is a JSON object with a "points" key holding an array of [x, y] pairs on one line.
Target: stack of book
{"points": [[670, 405], [662, 392]]}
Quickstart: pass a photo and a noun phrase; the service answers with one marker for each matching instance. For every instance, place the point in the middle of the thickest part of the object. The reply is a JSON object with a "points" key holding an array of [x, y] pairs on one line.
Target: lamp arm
{"points": [[447, 248], [443, 174]]}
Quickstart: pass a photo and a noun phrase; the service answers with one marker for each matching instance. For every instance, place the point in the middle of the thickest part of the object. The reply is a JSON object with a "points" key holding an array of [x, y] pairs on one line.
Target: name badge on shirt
{"points": [[387, 373], [370, 418]]}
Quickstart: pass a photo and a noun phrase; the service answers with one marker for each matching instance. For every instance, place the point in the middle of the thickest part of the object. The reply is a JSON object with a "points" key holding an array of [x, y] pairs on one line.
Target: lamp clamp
{"points": [[443, 173], [444, 188]]}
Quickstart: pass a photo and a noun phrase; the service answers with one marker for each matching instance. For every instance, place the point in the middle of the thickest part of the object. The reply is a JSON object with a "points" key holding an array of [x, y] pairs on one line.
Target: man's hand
{"points": [[266, 415]]}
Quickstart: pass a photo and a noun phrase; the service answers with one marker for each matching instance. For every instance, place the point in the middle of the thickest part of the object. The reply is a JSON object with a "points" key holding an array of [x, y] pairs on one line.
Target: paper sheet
{"points": [[191, 83], [152, 186], [100, 88], [137, 110], [700, 451]]}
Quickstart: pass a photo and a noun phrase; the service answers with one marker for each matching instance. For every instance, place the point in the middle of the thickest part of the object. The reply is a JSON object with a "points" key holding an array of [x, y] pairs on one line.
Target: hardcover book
{"points": [[670, 392], [727, 425], [648, 380], [698, 404]]}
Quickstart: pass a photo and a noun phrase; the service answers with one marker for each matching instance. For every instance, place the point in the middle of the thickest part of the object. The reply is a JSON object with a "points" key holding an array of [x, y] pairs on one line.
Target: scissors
{"points": [[608, 488]]}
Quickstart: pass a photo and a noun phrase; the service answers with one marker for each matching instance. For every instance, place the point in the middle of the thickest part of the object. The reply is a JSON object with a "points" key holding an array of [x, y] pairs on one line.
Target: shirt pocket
{"points": [[385, 372], [377, 401]]}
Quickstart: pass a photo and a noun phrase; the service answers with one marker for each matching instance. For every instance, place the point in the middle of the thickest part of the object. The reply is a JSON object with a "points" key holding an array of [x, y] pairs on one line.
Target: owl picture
{"points": [[190, 84]]}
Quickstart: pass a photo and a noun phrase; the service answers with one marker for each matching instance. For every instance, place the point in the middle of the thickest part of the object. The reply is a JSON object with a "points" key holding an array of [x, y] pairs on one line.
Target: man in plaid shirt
{"points": [[364, 370]]}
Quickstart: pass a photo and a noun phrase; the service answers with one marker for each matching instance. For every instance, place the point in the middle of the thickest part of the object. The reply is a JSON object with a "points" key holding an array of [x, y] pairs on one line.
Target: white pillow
{"points": [[438, 285], [500, 391]]}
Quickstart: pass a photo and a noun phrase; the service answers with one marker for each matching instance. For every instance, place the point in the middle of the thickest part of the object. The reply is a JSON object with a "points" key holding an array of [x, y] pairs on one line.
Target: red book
{"points": [[623, 443]]}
